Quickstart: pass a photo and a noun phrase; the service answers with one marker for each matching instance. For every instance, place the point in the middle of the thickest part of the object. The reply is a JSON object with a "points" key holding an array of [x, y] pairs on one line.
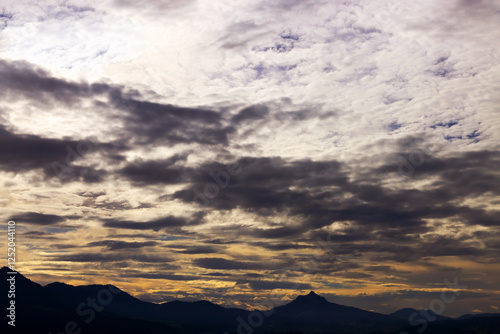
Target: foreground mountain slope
{"points": [[41, 310], [176, 312]]}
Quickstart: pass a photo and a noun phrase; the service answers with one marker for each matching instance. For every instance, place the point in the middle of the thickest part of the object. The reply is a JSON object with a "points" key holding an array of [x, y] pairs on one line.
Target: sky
{"points": [[246, 152]]}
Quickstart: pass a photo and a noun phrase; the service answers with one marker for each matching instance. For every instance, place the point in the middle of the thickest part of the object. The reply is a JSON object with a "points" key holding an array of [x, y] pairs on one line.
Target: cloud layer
{"points": [[346, 147]]}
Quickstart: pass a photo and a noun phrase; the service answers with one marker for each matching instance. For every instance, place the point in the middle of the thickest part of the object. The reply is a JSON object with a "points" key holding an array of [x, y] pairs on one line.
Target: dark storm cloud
{"points": [[264, 183], [491, 238], [219, 241], [165, 124], [413, 248], [445, 246], [169, 125], [145, 121], [216, 274], [64, 246], [322, 192], [54, 157], [81, 174], [199, 250], [39, 235], [251, 113], [116, 244], [147, 236], [164, 223], [276, 233], [314, 193], [224, 264], [182, 248], [38, 85], [379, 268], [99, 257], [157, 171], [467, 174], [21, 77], [170, 171], [280, 246], [284, 232], [35, 218]]}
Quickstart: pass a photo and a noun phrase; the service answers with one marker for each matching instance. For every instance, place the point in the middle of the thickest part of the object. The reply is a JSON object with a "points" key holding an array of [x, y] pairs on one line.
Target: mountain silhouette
{"points": [[406, 313], [315, 312], [312, 299], [50, 308], [42, 310], [475, 316]]}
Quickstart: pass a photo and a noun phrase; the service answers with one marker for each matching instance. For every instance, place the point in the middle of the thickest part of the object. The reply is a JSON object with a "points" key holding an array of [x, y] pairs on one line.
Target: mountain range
{"points": [[104, 309]]}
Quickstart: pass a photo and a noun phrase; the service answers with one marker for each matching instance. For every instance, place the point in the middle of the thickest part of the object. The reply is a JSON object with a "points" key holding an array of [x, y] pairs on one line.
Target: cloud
{"points": [[165, 223], [221, 263], [117, 244], [169, 125], [99, 257], [319, 194], [21, 77], [281, 246], [273, 285], [40, 235], [53, 156], [157, 171], [147, 121], [156, 7], [35, 218], [379, 268], [164, 276], [250, 113], [199, 250]]}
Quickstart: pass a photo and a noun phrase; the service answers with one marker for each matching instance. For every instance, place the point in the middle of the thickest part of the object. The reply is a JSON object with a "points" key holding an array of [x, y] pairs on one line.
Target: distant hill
{"points": [[406, 313], [479, 315], [105, 309]]}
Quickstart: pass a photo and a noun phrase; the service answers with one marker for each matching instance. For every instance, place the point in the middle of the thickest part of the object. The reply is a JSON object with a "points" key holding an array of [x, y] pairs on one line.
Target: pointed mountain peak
{"points": [[312, 297], [5, 270]]}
